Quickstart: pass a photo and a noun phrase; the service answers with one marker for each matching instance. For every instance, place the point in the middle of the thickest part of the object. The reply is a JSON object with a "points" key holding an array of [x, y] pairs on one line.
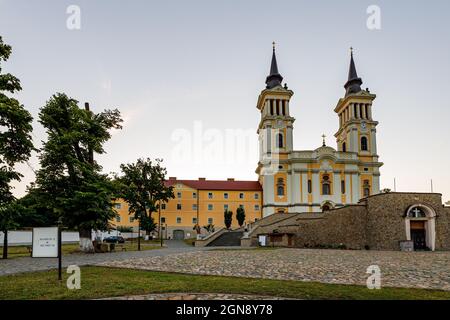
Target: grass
{"points": [[71, 248], [100, 282]]}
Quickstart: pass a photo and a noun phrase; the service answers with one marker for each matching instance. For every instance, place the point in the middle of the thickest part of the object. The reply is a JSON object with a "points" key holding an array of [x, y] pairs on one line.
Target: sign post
{"points": [[47, 244]]}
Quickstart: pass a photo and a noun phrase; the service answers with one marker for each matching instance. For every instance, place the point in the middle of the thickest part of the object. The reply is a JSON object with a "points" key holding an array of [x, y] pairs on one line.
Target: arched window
{"points": [[280, 142], [417, 212], [344, 147], [366, 188], [326, 185], [326, 207], [364, 146], [280, 187]]}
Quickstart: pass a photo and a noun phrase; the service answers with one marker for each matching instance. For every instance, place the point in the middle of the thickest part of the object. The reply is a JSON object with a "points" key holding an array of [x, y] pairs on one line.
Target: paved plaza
{"points": [[399, 269]]}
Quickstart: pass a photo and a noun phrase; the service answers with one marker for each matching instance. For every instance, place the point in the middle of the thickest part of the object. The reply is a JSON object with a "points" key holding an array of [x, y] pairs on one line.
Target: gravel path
{"points": [[399, 269]]}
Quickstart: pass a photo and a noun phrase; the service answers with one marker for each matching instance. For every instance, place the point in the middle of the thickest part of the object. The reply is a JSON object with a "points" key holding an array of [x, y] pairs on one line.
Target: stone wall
{"points": [[386, 219], [377, 222]]}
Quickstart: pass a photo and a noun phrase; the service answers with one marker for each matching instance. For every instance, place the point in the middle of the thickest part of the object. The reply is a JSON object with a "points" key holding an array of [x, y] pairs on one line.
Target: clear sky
{"points": [[184, 71]]}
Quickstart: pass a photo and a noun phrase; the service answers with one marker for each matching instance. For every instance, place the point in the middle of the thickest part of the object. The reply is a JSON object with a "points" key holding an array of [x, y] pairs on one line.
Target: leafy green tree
{"points": [[209, 228], [240, 216], [142, 186], [16, 144], [148, 224], [70, 178], [228, 218]]}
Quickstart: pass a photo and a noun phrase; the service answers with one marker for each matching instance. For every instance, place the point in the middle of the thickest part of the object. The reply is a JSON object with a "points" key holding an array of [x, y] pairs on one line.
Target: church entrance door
{"points": [[418, 235]]}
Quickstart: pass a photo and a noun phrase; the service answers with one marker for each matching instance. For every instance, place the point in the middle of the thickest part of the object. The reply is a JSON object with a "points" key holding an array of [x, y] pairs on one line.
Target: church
{"points": [[324, 178]]}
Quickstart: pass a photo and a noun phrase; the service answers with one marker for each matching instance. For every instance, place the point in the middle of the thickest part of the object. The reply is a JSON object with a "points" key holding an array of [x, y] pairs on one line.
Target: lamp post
{"points": [[59, 249], [160, 229]]}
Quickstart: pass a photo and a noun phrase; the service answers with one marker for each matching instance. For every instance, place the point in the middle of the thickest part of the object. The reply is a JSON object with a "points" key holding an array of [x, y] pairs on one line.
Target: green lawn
{"points": [[70, 248], [98, 282]]}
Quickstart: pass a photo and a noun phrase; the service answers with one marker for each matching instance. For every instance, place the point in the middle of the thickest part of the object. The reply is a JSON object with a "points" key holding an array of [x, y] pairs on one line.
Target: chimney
{"points": [[201, 179], [86, 106], [172, 178], [230, 179]]}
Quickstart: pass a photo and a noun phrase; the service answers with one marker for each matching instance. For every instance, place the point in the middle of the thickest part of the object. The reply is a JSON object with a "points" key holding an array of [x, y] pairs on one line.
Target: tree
{"points": [[240, 216], [148, 224], [209, 228], [228, 218], [142, 186], [16, 144], [70, 178]]}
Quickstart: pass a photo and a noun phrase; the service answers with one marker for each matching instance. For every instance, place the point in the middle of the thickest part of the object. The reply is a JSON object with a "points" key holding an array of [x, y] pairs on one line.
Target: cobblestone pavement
{"points": [[399, 269], [27, 264], [195, 296]]}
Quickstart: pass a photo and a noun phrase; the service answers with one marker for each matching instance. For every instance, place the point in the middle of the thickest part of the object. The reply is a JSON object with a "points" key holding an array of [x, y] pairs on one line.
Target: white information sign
{"points": [[45, 242], [262, 241]]}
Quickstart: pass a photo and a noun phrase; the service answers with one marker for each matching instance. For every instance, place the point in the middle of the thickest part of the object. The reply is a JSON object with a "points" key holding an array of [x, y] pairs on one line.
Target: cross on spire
{"points": [[323, 137]]}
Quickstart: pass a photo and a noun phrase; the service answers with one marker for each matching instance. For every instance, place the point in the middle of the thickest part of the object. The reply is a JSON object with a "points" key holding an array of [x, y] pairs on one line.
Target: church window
{"points": [[344, 147], [326, 207], [280, 141], [366, 188], [277, 103], [283, 107], [366, 109], [355, 111], [326, 185], [417, 212], [361, 111], [280, 187], [271, 107], [309, 186], [364, 146], [343, 186]]}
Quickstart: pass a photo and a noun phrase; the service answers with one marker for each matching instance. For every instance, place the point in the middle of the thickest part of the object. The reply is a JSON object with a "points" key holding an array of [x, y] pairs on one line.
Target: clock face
{"points": [[363, 125]]}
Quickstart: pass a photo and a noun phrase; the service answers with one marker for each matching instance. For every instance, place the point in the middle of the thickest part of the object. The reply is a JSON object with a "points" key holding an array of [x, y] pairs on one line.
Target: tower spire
{"points": [[354, 83], [274, 78]]}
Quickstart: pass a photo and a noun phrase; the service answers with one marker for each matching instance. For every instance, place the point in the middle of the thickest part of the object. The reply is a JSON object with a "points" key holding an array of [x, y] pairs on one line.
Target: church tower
{"points": [[357, 131], [275, 132]]}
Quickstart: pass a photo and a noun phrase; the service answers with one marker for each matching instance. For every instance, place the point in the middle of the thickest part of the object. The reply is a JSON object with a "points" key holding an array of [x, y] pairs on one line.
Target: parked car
{"points": [[114, 239]]}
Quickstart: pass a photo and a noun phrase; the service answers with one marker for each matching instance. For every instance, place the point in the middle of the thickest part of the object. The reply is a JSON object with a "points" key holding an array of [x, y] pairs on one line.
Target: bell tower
{"points": [[276, 124], [357, 130]]}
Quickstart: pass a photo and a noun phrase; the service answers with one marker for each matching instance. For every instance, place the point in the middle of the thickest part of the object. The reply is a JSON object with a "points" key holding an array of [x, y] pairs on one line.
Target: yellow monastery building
{"points": [[289, 181]]}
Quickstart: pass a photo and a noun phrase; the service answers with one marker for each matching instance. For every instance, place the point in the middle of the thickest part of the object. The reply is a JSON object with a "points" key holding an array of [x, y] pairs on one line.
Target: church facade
{"points": [[325, 178]]}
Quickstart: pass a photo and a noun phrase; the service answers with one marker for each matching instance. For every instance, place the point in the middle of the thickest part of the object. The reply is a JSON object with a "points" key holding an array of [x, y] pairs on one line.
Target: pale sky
{"points": [[196, 68]]}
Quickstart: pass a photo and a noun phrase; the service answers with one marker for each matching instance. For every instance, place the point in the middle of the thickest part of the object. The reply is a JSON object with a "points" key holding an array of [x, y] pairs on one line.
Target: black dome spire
{"points": [[354, 83], [274, 78]]}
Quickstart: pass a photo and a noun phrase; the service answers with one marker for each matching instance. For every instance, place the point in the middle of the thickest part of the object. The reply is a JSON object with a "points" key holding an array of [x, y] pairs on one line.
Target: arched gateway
{"points": [[420, 227]]}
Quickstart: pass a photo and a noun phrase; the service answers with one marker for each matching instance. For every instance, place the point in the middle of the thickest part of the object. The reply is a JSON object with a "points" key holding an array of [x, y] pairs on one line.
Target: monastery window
{"points": [[241, 196], [326, 185], [225, 195], [309, 186], [210, 195], [131, 219], [364, 145], [178, 220], [194, 207], [280, 141], [194, 195], [344, 147], [225, 207], [355, 111], [271, 107], [256, 196], [194, 220], [210, 220], [118, 206], [343, 186], [163, 220], [210, 207], [283, 107], [178, 195], [118, 218], [256, 207], [241, 206], [366, 109], [163, 206], [178, 206], [280, 187]]}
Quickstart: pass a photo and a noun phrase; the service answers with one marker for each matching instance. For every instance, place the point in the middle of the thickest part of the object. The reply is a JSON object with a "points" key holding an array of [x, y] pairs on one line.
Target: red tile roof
{"points": [[218, 184]]}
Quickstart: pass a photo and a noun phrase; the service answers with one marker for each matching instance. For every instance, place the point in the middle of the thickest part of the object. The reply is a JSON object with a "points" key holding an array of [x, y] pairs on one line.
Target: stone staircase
{"points": [[227, 239]]}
